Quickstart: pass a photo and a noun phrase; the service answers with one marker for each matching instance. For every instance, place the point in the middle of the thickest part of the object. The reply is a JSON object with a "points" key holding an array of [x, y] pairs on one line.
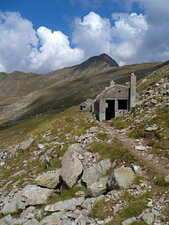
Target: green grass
{"points": [[136, 133], [113, 150], [140, 222], [133, 209], [119, 123], [68, 194], [159, 181], [101, 209]]}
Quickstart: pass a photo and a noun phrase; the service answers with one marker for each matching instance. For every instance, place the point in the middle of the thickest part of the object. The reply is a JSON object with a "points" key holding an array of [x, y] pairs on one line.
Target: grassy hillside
{"points": [[35, 94]]}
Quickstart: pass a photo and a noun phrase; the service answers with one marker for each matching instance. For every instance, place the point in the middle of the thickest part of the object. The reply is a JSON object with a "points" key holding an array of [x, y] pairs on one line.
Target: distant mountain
{"points": [[24, 95], [102, 60]]}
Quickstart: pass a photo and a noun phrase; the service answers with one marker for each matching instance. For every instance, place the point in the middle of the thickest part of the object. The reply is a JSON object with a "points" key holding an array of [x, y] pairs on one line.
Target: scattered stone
{"points": [[148, 217], [129, 221], [49, 179], [122, 177], [26, 144], [136, 169], [140, 148], [156, 212], [41, 146], [151, 128]]}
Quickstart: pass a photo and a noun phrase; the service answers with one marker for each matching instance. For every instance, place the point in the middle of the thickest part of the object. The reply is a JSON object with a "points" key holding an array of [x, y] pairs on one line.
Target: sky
{"points": [[44, 35]]}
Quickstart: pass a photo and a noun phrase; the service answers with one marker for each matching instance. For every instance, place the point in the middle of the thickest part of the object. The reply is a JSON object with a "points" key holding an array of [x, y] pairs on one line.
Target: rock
{"points": [[55, 218], [151, 128], [129, 221], [27, 212], [66, 222], [41, 146], [11, 206], [166, 178], [122, 177], [81, 220], [140, 148], [49, 179], [65, 205], [71, 165], [26, 144], [136, 170], [148, 217], [99, 187], [32, 222], [93, 174], [34, 195], [156, 212]]}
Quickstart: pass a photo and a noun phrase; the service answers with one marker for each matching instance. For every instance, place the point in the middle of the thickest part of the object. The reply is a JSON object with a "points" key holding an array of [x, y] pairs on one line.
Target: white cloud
{"points": [[23, 48], [96, 35], [128, 38], [92, 34]]}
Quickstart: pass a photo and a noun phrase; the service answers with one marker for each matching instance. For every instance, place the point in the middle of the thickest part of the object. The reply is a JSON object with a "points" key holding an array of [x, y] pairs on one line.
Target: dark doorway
{"points": [[122, 104], [110, 109]]}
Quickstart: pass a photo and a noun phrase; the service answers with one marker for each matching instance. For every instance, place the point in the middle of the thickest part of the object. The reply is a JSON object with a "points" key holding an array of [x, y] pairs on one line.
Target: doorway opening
{"points": [[122, 104], [110, 109]]}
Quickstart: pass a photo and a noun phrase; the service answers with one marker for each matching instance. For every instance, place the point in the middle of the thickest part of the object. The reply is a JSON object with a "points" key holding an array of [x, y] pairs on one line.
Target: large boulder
{"points": [[34, 195], [99, 187], [122, 177], [92, 174], [49, 179], [29, 196], [65, 205], [71, 165]]}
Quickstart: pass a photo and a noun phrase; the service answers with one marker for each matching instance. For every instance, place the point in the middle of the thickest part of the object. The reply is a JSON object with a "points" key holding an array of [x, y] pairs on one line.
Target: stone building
{"points": [[115, 100], [86, 105]]}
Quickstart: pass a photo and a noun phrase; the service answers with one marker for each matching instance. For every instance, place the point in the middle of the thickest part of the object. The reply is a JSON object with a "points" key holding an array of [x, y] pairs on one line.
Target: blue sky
{"points": [[60, 14], [44, 35]]}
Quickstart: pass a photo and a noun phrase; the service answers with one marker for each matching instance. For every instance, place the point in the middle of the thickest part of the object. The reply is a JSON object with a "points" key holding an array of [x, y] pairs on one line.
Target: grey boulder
{"points": [[92, 174], [49, 179], [122, 177], [99, 187], [71, 165]]}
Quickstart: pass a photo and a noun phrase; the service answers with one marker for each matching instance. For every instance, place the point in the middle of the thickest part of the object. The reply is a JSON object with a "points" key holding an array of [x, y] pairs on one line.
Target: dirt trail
{"points": [[144, 156]]}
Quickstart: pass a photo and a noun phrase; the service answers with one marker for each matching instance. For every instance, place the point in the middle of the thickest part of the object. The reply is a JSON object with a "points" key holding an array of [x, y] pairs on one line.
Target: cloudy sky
{"points": [[45, 35]]}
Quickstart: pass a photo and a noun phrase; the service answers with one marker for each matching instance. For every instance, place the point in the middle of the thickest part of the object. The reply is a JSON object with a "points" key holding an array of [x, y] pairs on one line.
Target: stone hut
{"points": [[115, 100], [86, 105]]}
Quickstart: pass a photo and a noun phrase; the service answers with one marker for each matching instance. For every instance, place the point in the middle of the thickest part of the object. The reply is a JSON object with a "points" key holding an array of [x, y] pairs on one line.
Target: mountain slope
{"points": [[24, 95]]}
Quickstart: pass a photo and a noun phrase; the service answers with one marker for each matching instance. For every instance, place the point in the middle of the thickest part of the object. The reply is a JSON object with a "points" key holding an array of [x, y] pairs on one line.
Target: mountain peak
{"points": [[103, 59]]}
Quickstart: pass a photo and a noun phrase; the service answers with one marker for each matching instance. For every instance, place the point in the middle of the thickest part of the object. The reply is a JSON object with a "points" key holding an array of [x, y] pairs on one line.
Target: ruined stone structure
{"points": [[86, 105], [115, 100]]}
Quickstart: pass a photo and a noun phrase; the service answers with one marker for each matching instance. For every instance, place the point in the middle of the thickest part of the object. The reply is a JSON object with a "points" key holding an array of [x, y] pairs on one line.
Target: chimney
{"points": [[132, 90]]}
